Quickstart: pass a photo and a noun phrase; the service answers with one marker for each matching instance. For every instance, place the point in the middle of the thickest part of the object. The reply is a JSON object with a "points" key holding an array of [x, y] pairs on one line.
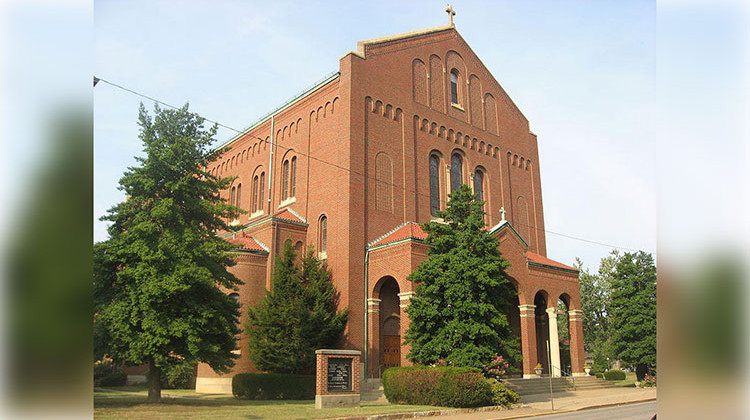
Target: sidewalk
{"points": [[535, 405]]}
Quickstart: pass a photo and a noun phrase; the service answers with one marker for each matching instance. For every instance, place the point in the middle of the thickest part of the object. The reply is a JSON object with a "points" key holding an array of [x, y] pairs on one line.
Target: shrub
{"points": [[179, 376], [114, 379], [599, 375], [649, 381], [440, 386], [497, 368], [614, 375], [102, 369], [501, 394], [273, 386]]}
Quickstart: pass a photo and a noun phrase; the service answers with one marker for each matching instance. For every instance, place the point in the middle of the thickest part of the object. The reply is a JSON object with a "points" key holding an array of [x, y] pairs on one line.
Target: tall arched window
{"points": [[238, 198], [456, 172], [479, 184], [261, 188], [285, 181], [235, 297], [434, 185], [293, 187], [254, 205], [233, 195], [454, 86], [323, 235]]}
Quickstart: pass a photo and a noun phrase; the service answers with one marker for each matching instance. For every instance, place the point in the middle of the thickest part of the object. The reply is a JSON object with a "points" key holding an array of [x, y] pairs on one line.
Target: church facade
{"points": [[353, 166]]}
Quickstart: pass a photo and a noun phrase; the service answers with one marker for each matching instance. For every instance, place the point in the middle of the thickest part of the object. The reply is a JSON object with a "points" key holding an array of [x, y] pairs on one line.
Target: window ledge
{"points": [[322, 255], [256, 214], [287, 202], [458, 107]]}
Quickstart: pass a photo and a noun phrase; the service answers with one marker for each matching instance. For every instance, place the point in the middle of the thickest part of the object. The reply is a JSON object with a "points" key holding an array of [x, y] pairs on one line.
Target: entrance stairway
{"points": [[372, 390], [542, 385]]}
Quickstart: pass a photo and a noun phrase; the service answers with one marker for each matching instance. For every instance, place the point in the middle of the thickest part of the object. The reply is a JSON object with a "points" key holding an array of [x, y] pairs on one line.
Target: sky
{"points": [[582, 72]]}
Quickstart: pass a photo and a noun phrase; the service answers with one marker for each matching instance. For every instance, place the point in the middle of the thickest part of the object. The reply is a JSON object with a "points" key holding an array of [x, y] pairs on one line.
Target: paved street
{"points": [[639, 411]]}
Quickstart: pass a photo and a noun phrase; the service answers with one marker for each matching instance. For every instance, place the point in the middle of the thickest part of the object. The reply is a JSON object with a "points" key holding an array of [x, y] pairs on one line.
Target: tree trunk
{"points": [[154, 383], [640, 371]]}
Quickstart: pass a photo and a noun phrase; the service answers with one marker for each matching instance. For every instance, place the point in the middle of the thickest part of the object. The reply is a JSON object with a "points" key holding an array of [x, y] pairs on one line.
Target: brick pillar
{"points": [[528, 339], [373, 321], [404, 299], [577, 354]]}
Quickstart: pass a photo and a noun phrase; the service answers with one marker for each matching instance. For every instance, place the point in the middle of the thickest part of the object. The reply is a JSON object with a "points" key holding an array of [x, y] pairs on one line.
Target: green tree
{"points": [[633, 306], [462, 295], [596, 290], [161, 305], [296, 317]]}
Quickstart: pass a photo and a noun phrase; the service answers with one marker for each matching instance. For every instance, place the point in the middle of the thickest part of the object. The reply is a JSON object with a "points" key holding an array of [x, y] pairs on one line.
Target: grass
{"points": [[130, 403], [628, 381]]}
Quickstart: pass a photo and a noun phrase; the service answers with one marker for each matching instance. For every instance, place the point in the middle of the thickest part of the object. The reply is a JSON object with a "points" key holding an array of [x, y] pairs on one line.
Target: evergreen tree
{"points": [[633, 304], [296, 317], [462, 295], [162, 306]]}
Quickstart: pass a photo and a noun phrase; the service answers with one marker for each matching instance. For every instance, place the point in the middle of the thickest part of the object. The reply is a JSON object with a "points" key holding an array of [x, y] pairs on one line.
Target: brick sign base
{"points": [[337, 378]]}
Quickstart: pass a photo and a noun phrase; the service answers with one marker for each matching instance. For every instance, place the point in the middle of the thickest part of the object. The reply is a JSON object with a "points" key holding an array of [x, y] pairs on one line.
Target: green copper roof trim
{"points": [[410, 238], [534, 263], [507, 223], [250, 251], [260, 222], [317, 85]]}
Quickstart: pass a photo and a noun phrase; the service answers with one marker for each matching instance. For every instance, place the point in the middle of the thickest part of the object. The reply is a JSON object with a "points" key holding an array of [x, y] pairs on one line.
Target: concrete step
{"points": [[533, 386]]}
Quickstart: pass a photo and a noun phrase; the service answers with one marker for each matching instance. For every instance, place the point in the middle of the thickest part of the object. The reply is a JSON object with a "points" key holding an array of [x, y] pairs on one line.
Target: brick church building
{"points": [[356, 163]]}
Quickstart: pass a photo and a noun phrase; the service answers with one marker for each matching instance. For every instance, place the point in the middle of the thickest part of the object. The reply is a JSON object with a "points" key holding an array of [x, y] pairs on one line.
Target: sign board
{"points": [[339, 374]]}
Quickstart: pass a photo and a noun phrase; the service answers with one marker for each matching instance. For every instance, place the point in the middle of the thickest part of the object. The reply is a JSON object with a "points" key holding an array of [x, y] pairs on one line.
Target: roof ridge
{"points": [[361, 44], [381, 237]]}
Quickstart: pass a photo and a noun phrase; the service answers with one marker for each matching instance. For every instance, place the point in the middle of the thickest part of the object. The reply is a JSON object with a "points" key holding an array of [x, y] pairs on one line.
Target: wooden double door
{"points": [[391, 351]]}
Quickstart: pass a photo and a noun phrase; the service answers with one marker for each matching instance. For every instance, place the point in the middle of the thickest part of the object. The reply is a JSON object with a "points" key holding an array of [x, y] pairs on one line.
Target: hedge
{"points": [[273, 386], [614, 375], [114, 379], [439, 386]]}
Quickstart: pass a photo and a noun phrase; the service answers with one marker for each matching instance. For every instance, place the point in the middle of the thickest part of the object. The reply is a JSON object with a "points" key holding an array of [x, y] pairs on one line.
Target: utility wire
{"points": [[99, 79]]}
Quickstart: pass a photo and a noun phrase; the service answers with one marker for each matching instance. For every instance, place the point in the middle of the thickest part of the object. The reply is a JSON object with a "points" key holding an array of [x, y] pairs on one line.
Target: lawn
{"points": [[130, 403], [628, 381]]}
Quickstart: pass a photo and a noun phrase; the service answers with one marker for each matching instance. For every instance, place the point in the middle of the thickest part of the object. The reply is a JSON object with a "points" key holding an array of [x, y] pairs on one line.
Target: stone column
{"points": [[528, 340], [373, 321], [554, 343], [577, 354], [404, 299]]}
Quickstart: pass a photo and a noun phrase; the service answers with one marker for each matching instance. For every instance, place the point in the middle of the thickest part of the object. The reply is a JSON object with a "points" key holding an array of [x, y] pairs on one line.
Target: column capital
{"points": [[373, 305], [575, 312], [552, 312], [405, 295], [527, 307], [373, 301]]}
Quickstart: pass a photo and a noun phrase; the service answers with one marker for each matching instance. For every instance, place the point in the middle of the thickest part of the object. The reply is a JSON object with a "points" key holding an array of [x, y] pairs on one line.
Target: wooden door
{"points": [[391, 351]]}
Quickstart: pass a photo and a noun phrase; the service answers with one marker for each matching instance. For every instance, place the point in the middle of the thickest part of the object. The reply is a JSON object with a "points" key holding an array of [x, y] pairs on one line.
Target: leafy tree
{"points": [[298, 316], [596, 290], [156, 277], [633, 305], [462, 295]]}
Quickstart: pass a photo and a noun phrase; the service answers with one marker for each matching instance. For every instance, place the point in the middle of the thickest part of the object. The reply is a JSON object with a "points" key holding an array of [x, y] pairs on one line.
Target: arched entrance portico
{"points": [[386, 326]]}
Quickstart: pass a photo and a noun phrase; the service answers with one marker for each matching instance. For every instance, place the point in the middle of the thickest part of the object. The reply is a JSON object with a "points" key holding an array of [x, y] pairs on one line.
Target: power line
{"points": [[365, 176]]}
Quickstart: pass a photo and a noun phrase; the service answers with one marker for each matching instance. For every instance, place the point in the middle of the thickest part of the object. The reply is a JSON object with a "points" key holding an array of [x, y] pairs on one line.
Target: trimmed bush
{"points": [[273, 386], [614, 375], [439, 386], [114, 379], [179, 376], [501, 394]]}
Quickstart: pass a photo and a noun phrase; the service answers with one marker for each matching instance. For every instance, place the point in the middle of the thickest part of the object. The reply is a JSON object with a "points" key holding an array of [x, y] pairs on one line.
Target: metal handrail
{"points": [[563, 373]]}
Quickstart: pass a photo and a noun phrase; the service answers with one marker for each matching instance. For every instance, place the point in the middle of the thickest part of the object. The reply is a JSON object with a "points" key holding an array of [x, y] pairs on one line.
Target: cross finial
{"points": [[451, 13], [502, 214]]}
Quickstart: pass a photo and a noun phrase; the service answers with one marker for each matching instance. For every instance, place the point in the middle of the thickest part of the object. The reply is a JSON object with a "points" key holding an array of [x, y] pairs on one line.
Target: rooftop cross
{"points": [[502, 214], [451, 13]]}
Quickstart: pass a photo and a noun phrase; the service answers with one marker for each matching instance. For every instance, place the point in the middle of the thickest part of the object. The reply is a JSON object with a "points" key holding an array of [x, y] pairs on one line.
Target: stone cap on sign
{"points": [[339, 352]]}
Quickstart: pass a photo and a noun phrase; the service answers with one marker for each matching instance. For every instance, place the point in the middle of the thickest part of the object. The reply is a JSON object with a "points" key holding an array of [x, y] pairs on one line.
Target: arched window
{"points": [[454, 86], [285, 181], [238, 198], [233, 195], [254, 205], [384, 182], [434, 185], [235, 297], [293, 187], [479, 184], [261, 188], [456, 172], [323, 235]]}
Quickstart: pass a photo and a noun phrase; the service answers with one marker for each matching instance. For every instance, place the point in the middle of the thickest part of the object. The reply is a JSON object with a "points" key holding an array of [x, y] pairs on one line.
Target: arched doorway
{"points": [[542, 329], [563, 332], [390, 324]]}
